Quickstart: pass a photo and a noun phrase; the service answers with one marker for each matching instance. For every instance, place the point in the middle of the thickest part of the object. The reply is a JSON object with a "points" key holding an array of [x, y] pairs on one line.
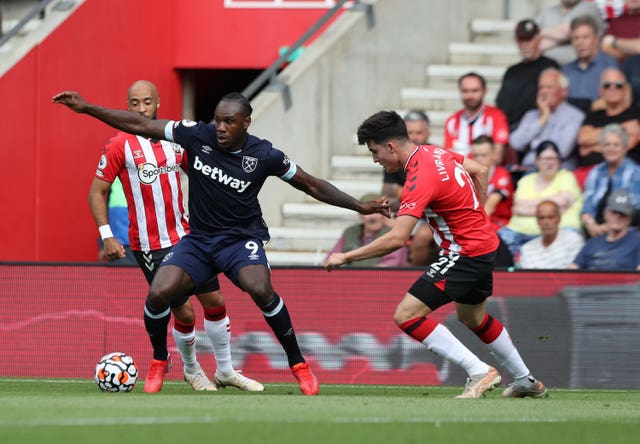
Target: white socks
{"points": [[220, 336], [442, 342], [508, 357], [186, 343]]}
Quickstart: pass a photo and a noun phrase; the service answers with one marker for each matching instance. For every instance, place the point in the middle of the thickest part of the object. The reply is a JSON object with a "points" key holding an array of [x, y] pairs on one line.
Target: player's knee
{"points": [[158, 297], [400, 316], [212, 299], [261, 292], [185, 314]]}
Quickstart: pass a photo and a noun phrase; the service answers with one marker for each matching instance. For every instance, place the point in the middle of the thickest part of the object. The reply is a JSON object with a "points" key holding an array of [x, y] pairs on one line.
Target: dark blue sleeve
{"points": [[187, 132], [581, 259]]}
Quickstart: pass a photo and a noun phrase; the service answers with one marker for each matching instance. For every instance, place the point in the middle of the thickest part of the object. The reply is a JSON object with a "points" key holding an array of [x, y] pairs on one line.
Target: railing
{"points": [[270, 74], [37, 10]]}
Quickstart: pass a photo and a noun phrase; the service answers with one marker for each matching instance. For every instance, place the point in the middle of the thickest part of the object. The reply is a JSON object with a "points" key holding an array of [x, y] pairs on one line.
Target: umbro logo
{"points": [[206, 149]]}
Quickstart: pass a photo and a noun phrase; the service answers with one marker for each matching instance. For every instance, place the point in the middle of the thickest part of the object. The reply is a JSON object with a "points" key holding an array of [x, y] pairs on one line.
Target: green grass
{"points": [[75, 411]]}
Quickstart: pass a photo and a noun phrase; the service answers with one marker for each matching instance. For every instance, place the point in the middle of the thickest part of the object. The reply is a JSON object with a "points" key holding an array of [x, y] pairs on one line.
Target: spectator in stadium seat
{"points": [[371, 227], [616, 172], [421, 245], [157, 223], [618, 248], [553, 119], [519, 86], [500, 186], [448, 188], [499, 193], [227, 167], [555, 247], [628, 52], [554, 22], [475, 119], [585, 71], [549, 182], [616, 97]]}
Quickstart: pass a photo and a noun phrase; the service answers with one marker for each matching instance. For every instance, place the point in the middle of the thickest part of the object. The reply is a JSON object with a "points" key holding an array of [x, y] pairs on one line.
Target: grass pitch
{"points": [[75, 411]]}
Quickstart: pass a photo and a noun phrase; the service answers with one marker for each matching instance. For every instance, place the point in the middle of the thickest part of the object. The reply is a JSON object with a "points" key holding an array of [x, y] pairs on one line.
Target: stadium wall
{"points": [[574, 329], [100, 50]]}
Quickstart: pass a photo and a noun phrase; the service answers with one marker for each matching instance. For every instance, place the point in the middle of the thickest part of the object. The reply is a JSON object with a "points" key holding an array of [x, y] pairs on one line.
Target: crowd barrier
{"points": [[574, 329]]}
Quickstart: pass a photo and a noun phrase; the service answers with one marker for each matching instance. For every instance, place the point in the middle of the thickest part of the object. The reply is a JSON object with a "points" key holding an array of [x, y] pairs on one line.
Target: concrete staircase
{"points": [[490, 50], [34, 31]]}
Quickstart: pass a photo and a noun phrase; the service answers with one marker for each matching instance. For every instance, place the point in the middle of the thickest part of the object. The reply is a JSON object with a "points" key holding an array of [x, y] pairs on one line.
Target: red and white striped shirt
{"points": [[460, 130], [439, 188], [150, 176]]}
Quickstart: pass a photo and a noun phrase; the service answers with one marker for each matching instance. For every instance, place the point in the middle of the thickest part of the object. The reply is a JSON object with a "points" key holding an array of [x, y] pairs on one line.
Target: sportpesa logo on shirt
{"points": [[148, 172]]}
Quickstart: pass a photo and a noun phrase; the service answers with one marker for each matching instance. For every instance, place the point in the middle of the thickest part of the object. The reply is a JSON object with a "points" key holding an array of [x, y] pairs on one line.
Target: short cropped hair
{"points": [[616, 129], [548, 202], [563, 80], [585, 20], [381, 127], [416, 116], [483, 138], [238, 98], [475, 75]]}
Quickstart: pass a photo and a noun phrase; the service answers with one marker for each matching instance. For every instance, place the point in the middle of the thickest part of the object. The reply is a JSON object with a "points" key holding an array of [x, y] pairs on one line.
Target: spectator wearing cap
{"points": [[553, 119], [555, 31], [371, 227], [619, 247], [616, 172], [519, 86], [549, 182]]}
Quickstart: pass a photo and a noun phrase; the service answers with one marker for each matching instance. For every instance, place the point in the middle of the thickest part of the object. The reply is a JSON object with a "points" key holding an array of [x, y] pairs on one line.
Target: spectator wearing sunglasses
{"points": [[615, 101]]}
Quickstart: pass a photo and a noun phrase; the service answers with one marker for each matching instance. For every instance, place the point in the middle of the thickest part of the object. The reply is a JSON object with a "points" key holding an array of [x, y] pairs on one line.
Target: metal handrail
{"points": [[270, 73], [36, 10]]}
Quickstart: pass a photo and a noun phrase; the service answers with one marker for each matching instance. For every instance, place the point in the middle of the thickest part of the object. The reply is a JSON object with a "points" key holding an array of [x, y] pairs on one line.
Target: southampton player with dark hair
{"points": [[227, 168], [448, 189], [149, 171]]}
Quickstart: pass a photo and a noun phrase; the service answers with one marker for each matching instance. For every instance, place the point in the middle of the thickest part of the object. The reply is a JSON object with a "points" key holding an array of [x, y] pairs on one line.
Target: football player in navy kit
{"points": [[227, 168]]}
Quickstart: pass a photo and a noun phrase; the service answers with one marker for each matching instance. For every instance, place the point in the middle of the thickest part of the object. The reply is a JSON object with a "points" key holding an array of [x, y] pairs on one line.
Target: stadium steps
{"points": [[34, 31], [492, 30], [311, 228]]}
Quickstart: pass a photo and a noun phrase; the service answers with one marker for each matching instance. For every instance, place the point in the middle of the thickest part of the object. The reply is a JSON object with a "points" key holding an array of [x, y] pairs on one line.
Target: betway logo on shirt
{"points": [[217, 174]]}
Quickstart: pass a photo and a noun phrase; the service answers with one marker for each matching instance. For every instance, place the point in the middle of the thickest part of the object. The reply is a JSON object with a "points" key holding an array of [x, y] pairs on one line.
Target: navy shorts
{"points": [[150, 261], [463, 279], [202, 256]]}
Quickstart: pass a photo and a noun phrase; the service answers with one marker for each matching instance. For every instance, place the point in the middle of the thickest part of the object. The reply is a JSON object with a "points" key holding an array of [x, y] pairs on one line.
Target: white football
{"points": [[116, 372]]}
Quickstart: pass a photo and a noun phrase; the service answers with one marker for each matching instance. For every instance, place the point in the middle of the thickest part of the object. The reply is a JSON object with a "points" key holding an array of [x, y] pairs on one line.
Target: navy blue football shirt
{"points": [[224, 185]]}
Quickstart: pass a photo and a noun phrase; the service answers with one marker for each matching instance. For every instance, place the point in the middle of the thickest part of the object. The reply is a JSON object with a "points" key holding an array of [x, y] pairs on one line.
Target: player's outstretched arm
{"points": [[120, 119], [392, 240], [325, 192]]}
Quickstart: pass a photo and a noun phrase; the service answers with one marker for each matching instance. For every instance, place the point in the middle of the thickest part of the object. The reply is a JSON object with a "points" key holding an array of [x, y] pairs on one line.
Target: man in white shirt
{"points": [[554, 248]]}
